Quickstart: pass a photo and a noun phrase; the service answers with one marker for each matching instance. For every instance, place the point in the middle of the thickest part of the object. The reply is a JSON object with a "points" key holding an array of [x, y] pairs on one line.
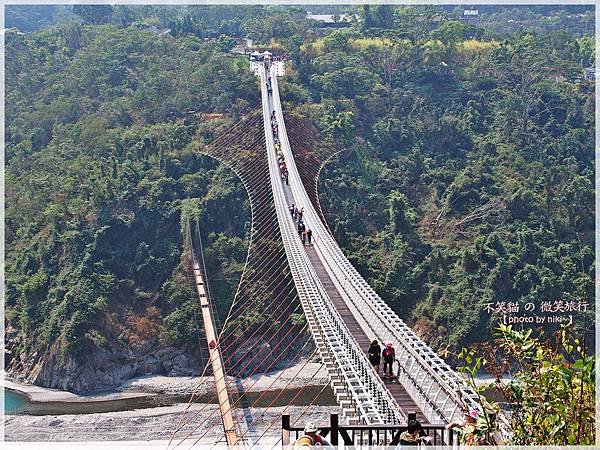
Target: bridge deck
{"points": [[395, 388]]}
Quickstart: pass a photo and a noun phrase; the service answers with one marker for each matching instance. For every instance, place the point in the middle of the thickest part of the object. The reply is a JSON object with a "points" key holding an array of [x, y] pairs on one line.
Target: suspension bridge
{"points": [[297, 301]]}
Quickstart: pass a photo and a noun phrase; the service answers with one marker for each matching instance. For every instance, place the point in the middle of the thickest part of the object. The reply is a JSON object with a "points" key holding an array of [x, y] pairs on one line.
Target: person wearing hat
{"points": [[311, 438], [389, 356]]}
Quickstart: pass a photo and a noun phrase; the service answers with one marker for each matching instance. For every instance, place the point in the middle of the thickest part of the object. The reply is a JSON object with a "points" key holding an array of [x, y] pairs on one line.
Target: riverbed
{"points": [[150, 407], [201, 421]]}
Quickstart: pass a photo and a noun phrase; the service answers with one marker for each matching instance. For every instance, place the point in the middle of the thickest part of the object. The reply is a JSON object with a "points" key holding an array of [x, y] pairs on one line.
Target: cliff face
{"points": [[106, 368], [102, 368]]}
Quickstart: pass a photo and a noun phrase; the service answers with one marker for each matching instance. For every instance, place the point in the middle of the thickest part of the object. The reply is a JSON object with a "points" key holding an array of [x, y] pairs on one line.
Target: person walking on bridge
{"points": [[389, 356], [292, 209], [375, 355], [309, 239]]}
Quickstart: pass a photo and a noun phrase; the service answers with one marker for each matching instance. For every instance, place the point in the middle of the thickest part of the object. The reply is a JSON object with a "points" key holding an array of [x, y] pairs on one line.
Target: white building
{"points": [[470, 14]]}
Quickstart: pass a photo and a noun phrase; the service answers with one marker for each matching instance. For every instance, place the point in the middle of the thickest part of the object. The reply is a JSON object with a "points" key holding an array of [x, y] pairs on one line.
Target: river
{"points": [[13, 402], [19, 404]]}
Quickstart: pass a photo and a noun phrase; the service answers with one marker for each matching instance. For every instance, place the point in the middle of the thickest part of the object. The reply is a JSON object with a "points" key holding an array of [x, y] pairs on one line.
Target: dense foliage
{"points": [[470, 177], [551, 389], [36, 17], [102, 130]]}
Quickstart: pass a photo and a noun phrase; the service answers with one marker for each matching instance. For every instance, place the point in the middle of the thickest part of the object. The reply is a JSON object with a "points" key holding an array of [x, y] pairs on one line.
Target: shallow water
{"points": [[255, 399], [13, 402]]}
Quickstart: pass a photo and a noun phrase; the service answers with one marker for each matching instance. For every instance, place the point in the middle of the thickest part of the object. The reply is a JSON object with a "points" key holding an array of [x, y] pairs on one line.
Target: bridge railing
{"points": [[366, 435], [433, 385], [369, 397]]}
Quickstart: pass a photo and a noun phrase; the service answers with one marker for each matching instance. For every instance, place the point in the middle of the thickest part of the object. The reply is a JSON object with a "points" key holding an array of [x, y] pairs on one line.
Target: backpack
{"points": [[388, 354]]}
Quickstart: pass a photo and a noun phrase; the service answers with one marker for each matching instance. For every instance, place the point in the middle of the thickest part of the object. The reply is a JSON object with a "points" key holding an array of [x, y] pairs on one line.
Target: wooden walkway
{"points": [[396, 390], [216, 360]]}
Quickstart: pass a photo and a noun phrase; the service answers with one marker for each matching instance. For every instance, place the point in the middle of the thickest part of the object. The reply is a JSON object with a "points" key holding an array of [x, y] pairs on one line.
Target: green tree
{"points": [[401, 214], [94, 14], [552, 390]]}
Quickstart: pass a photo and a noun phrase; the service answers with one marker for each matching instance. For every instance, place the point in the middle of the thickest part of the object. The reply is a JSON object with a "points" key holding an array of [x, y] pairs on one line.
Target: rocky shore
{"points": [[295, 376], [108, 367], [101, 369]]}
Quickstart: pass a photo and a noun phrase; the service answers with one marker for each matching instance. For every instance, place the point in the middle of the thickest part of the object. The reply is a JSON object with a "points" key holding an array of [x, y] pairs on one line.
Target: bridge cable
{"points": [[279, 375], [251, 360], [247, 124], [233, 303], [271, 365], [282, 390], [269, 354], [239, 360], [248, 277]]}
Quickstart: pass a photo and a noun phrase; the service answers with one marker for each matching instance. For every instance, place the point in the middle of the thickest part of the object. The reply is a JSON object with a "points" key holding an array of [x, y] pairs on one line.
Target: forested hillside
{"points": [[470, 176], [467, 180], [102, 127]]}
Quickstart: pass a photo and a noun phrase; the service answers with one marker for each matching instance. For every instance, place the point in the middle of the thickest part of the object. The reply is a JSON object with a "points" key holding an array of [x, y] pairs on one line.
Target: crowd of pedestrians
{"points": [[415, 434], [283, 170], [297, 214], [304, 232]]}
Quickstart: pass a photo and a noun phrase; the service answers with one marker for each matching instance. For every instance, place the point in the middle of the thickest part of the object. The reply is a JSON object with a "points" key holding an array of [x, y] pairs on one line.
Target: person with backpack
{"points": [[389, 356]]}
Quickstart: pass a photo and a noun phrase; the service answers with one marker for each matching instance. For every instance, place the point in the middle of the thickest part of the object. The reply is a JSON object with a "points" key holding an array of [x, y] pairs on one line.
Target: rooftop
{"points": [[329, 18]]}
